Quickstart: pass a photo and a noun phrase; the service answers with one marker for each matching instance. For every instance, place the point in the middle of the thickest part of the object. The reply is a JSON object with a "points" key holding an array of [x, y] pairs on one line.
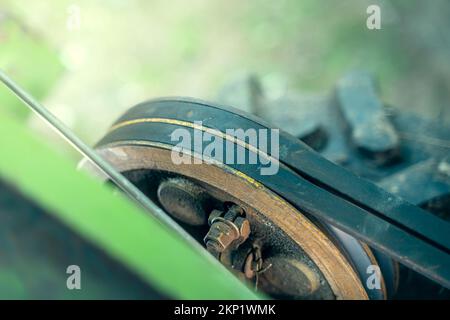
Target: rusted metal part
{"points": [[355, 202], [227, 231], [150, 124], [185, 200], [289, 233], [254, 264], [420, 140]]}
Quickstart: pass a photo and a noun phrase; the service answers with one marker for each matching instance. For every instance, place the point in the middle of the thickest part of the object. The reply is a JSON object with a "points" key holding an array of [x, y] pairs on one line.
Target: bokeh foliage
{"points": [[129, 51], [29, 59]]}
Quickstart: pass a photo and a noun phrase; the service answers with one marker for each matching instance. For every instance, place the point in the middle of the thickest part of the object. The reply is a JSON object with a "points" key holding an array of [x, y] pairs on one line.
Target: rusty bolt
{"points": [[227, 230], [223, 233], [243, 226]]}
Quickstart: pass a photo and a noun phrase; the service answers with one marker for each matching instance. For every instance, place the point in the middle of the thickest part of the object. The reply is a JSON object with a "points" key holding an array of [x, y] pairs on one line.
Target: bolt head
{"points": [[243, 226]]}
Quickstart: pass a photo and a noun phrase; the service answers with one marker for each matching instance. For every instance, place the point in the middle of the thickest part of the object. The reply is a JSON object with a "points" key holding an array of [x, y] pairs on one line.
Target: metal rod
{"points": [[123, 183]]}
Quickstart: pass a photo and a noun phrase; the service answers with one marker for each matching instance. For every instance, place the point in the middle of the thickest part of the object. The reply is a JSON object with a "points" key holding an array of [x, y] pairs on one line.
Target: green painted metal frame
{"points": [[110, 221]]}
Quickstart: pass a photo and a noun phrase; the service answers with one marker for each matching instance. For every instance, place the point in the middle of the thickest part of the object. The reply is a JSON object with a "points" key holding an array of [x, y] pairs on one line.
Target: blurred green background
{"points": [[88, 61]]}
